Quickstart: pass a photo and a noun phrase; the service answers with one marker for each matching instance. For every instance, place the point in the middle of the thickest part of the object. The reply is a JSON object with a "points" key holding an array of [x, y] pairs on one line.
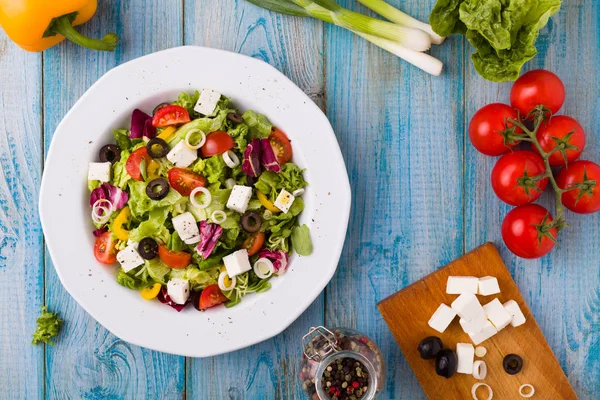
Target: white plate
{"points": [[143, 83]]}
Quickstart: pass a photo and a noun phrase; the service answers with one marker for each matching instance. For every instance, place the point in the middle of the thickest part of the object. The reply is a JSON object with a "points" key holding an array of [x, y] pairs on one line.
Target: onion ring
{"points": [[199, 144], [267, 215], [528, 386], [257, 269], [476, 386], [221, 282], [231, 159], [207, 197], [218, 216], [298, 192], [480, 351], [479, 369], [230, 183]]}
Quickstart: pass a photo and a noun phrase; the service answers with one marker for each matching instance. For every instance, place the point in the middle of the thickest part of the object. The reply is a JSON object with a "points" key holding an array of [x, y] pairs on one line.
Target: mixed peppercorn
{"points": [[345, 379]]}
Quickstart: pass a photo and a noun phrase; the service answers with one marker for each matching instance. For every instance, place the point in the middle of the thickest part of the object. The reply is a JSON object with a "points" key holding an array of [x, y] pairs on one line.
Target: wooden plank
{"points": [[419, 301], [268, 370], [89, 362], [396, 126], [21, 242], [563, 288]]}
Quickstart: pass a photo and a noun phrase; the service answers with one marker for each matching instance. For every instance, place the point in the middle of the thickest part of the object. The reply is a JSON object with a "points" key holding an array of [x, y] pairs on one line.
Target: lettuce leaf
{"points": [[188, 101], [259, 126], [290, 178], [152, 227], [140, 203], [301, 240], [198, 279], [120, 177]]}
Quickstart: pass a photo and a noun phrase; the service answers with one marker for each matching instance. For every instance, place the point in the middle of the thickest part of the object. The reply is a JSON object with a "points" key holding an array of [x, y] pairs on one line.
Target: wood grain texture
{"points": [[21, 242], [268, 370], [417, 302], [88, 362]]}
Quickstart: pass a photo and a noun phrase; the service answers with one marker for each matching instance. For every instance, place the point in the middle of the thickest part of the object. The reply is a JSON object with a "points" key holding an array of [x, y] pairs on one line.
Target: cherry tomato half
{"points": [[559, 127], [177, 259], [576, 201], [516, 171], [254, 243], [217, 142], [538, 87], [104, 249], [486, 128], [132, 166], [521, 231], [211, 296], [170, 115], [281, 145], [185, 180]]}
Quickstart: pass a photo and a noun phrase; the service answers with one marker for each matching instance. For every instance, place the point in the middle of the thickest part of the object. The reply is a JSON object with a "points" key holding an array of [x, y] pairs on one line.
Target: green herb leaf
{"points": [[301, 240]]}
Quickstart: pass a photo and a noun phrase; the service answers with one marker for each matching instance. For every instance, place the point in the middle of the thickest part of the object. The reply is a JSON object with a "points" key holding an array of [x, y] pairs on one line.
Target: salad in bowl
{"points": [[197, 203]]}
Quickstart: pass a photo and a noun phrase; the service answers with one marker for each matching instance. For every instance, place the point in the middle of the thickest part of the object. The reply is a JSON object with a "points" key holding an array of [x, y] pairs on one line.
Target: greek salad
{"points": [[197, 203]]}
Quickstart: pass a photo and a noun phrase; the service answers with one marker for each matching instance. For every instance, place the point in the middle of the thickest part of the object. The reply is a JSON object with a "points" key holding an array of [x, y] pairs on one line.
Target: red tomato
{"points": [[174, 258], [559, 127], [538, 87], [586, 198], [170, 115], [513, 177], [254, 243], [217, 142], [104, 249], [282, 146], [185, 180], [133, 163], [488, 128], [211, 296], [525, 231]]}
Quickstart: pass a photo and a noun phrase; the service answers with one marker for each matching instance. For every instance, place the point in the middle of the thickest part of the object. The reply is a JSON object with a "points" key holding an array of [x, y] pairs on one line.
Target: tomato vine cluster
{"points": [[538, 149]]}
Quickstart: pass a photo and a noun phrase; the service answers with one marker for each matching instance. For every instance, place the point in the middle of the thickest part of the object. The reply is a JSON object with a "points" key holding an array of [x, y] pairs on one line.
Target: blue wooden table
{"points": [[421, 197]]}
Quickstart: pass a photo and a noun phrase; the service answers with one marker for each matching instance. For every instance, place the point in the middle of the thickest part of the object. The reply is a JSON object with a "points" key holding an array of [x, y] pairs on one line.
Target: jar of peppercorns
{"points": [[341, 364]]}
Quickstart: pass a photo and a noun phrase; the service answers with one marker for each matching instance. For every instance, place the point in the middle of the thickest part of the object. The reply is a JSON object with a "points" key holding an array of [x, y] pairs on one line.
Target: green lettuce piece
{"points": [[93, 184], [444, 18], [290, 178], [206, 125], [197, 279], [188, 101], [130, 281], [122, 139], [152, 227], [259, 126], [157, 270], [139, 203], [240, 134], [301, 240], [218, 202], [120, 177], [48, 326], [213, 169], [281, 224]]}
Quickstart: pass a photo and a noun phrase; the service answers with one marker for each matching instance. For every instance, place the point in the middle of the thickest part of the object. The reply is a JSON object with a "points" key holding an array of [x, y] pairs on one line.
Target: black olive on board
{"points": [[148, 248], [110, 153], [446, 363], [157, 189], [512, 364], [430, 347]]}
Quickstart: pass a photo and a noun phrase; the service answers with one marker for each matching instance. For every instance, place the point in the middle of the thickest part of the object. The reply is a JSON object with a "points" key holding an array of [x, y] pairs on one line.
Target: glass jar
{"points": [[340, 363]]}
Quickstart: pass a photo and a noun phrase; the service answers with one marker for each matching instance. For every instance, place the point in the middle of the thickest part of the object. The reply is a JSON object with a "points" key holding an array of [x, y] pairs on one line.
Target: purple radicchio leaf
{"points": [[149, 129], [164, 298], [98, 194], [98, 232], [268, 159], [138, 123], [116, 196], [209, 236], [279, 259], [251, 163]]}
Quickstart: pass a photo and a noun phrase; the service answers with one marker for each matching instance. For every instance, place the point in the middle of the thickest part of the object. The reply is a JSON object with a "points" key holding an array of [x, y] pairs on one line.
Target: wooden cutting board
{"points": [[408, 311]]}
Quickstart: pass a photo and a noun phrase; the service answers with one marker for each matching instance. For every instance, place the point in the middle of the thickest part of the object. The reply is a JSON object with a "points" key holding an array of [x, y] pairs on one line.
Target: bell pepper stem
{"points": [[63, 26]]}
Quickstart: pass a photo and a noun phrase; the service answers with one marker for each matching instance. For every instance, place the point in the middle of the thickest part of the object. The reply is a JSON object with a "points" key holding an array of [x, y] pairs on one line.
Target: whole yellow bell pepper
{"points": [[35, 25]]}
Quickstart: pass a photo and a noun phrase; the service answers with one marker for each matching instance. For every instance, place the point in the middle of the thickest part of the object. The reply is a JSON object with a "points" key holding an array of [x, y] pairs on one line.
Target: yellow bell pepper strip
{"points": [[150, 293], [166, 133], [267, 203], [36, 25], [152, 170], [117, 227]]}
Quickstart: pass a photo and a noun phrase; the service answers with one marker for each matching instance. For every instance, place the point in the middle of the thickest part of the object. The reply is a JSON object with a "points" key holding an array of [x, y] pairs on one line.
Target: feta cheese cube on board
{"points": [[514, 310], [462, 284], [284, 201], [181, 155], [187, 228], [467, 306], [99, 171], [441, 318], [488, 285], [207, 102], [129, 258], [487, 332], [497, 314], [474, 325], [178, 290], [239, 199], [237, 263], [466, 354]]}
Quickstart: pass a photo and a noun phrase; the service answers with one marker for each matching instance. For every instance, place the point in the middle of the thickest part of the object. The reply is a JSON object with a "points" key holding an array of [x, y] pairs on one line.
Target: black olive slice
{"points": [[157, 189], [110, 153], [513, 364], [430, 347], [446, 363], [251, 221], [158, 107], [235, 117], [157, 148], [148, 248], [196, 300]]}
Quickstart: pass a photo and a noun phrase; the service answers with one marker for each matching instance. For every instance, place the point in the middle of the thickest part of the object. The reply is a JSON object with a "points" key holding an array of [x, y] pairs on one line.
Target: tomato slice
{"points": [[254, 243], [185, 180], [282, 146], [217, 142], [170, 115], [177, 259], [133, 163], [104, 249], [211, 296]]}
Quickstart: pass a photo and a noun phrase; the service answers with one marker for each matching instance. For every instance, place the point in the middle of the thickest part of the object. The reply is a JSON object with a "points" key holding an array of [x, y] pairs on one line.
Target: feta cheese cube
{"points": [[181, 155], [129, 258], [515, 312], [441, 318], [467, 306], [488, 285], [461, 284], [487, 332], [178, 290], [207, 102], [474, 325], [466, 354], [284, 201], [237, 263], [187, 228], [239, 198], [497, 314], [99, 171]]}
